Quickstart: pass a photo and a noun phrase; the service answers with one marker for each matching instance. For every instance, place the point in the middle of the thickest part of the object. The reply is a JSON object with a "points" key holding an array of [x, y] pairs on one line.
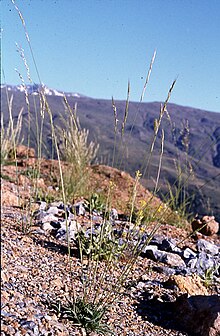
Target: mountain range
{"points": [[188, 137]]}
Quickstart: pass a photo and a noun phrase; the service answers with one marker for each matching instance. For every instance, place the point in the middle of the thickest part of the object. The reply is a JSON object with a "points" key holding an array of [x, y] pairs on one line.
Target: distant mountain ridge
{"points": [[97, 116], [36, 88]]}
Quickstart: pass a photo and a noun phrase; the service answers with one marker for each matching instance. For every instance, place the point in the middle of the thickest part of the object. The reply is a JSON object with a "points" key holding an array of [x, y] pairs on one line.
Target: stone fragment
{"points": [[55, 225], [173, 259], [188, 253], [9, 198], [53, 210], [57, 204], [42, 206], [23, 152], [113, 214], [27, 324], [164, 270], [150, 252], [47, 227], [204, 245], [39, 214], [79, 209], [169, 245], [49, 218], [73, 228], [206, 262], [191, 263], [206, 225], [191, 285], [198, 315], [23, 180]]}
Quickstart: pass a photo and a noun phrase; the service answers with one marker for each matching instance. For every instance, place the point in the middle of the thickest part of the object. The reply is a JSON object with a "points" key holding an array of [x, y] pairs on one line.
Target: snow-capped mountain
{"points": [[36, 88]]}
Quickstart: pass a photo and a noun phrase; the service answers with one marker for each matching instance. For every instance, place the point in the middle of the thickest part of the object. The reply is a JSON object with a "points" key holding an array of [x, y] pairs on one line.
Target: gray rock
{"points": [[188, 254], [39, 214], [53, 210], [47, 227], [156, 240], [113, 215], [173, 259], [28, 324], [198, 315], [73, 228], [164, 270], [55, 225], [49, 218], [43, 206], [169, 245], [150, 252], [191, 263], [207, 247], [205, 263], [58, 205], [79, 209], [61, 234]]}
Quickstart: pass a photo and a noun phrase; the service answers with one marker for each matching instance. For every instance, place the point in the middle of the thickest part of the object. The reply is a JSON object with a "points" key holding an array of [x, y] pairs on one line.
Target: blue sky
{"points": [[95, 46]]}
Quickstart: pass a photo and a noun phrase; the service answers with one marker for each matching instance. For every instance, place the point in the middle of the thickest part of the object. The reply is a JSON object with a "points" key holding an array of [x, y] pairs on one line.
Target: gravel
{"points": [[35, 268]]}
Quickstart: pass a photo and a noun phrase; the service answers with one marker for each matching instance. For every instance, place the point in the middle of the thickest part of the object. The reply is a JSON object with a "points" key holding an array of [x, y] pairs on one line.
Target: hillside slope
{"points": [[133, 153]]}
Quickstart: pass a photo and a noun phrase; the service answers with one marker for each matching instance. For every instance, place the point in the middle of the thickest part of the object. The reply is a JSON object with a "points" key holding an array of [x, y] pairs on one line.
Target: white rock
{"points": [[47, 227], [49, 218]]}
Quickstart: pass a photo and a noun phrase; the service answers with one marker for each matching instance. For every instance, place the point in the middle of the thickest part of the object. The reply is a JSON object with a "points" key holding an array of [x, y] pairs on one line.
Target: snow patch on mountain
{"points": [[35, 89]]}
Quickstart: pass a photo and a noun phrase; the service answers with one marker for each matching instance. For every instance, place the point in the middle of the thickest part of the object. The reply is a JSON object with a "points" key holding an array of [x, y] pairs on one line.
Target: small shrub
{"points": [[75, 149], [31, 173], [100, 243], [95, 202], [209, 274]]}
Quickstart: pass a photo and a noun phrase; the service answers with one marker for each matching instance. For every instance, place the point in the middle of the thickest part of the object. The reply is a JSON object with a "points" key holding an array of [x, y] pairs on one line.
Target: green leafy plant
{"points": [[95, 202], [208, 277], [31, 173], [100, 243], [86, 315], [7, 178], [46, 196]]}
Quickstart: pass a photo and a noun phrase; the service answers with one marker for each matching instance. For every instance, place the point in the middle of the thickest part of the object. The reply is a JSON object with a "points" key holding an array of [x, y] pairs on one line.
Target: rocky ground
{"points": [[168, 292]]}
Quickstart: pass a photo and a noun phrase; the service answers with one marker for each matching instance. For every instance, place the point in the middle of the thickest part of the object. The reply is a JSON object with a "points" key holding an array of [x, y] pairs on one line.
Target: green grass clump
{"points": [[31, 173], [11, 134], [86, 315], [99, 243], [75, 149], [96, 202]]}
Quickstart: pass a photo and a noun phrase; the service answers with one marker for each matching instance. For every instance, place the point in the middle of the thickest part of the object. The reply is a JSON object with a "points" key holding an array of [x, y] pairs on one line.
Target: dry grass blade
{"points": [[126, 111], [148, 76], [148, 157], [10, 135]]}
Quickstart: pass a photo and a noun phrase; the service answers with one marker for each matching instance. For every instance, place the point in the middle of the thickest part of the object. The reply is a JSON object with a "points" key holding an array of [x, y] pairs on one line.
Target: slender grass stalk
{"points": [[62, 181], [115, 129], [156, 130], [12, 136], [160, 163], [121, 146], [113, 266], [141, 100], [147, 78], [94, 270]]}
